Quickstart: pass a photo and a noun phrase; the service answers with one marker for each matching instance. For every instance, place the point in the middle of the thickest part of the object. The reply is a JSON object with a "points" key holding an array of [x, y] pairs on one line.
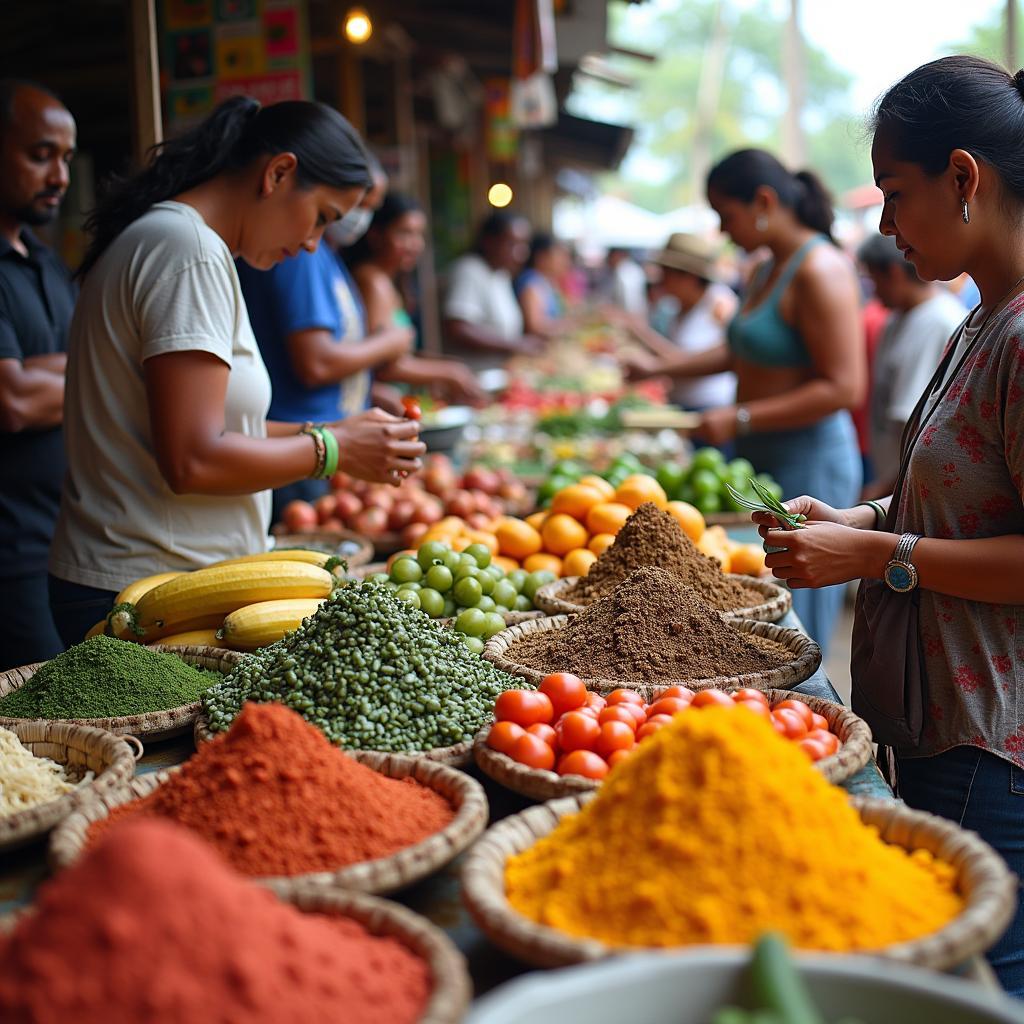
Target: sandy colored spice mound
{"points": [[652, 627], [652, 536]]}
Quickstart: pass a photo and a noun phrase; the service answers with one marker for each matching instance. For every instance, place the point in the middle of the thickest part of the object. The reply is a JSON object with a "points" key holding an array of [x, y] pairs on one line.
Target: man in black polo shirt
{"points": [[37, 142]]}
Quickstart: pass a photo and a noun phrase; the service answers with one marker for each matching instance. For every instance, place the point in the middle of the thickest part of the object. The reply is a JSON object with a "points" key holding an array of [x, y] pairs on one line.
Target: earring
{"points": [[964, 212], [761, 222]]}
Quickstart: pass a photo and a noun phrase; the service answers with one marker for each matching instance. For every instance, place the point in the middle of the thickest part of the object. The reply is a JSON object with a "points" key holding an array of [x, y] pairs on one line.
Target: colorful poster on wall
{"points": [[213, 49], [502, 135]]}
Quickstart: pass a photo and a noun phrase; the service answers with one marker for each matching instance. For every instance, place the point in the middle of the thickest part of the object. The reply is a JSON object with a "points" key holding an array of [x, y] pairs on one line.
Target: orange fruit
{"points": [[561, 533], [488, 540], [747, 559], [689, 518], [578, 562], [505, 564], [537, 519], [517, 539], [712, 546], [599, 484], [638, 488], [543, 562], [601, 542], [608, 517], [576, 500]]}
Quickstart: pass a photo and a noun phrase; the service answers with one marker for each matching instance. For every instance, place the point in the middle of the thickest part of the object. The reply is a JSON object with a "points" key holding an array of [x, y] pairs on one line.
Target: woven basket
{"points": [[384, 875], [328, 541], [457, 756], [112, 761], [805, 661], [988, 887], [540, 784], [776, 604], [451, 988], [156, 725]]}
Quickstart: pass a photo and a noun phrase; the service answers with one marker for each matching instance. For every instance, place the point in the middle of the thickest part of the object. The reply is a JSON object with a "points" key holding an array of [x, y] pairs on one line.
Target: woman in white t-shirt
{"points": [[170, 456]]}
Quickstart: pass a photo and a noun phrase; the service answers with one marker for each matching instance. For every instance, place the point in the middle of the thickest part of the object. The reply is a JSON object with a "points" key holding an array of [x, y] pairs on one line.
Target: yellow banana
{"points": [[192, 638], [257, 625], [309, 555], [100, 627], [120, 618]]}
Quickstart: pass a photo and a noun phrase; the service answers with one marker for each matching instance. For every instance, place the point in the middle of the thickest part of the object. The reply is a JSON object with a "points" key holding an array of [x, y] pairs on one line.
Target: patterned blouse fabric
{"points": [[966, 481]]}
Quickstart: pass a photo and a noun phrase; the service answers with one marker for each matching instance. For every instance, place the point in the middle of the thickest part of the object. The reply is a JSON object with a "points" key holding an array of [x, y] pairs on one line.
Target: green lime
{"points": [[517, 577], [432, 603], [709, 503], [536, 580], [493, 623], [481, 554], [567, 468], [474, 643], [487, 603], [705, 482], [467, 592], [409, 597], [406, 570], [471, 622], [550, 487], [487, 582], [452, 560], [431, 552], [742, 468], [707, 458], [522, 604], [504, 593], [671, 476], [439, 577]]}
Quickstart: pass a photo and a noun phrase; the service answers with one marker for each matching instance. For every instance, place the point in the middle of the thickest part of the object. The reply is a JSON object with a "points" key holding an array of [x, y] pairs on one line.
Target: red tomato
{"points": [[819, 721], [503, 736], [565, 691], [618, 756], [800, 708], [652, 725], [668, 706], [585, 763], [595, 700], [624, 696], [829, 740], [577, 731], [543, 731], [749, 693], [619, 713], [533, 751], [792, 723], [812, 748], [712, 698], [778, 726], [615, 736], [586, 710], [638, 711], [412, 408], [758, 707], [524, 707], [681, 692]]}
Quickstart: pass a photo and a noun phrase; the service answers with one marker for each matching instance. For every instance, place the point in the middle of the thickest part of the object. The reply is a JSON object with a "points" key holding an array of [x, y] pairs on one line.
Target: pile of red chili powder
{"points": [[151, 925], [276, 798]]}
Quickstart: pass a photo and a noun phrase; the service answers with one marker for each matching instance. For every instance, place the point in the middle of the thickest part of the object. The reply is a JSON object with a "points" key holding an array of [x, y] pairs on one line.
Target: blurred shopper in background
{"points": [[795, 345], [923, 317], [627, 284], [37, 298], [483, 324], [538, 286]]}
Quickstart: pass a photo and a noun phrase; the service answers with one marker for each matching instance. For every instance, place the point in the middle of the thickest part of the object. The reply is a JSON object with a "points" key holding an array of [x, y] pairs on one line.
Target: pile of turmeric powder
{"points": [[717, 830]]}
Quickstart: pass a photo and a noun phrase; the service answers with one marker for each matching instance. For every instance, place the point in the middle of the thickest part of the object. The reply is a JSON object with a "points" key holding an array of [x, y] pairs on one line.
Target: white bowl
{"points": [[689, 988]]}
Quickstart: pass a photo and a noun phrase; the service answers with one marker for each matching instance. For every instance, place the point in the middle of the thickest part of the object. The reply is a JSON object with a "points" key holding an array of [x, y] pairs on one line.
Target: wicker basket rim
{"points": [[383, 874]]}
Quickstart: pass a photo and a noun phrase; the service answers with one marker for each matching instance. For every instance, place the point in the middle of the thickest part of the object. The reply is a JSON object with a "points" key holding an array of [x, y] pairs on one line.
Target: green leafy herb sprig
{"points": [[770, 504]]}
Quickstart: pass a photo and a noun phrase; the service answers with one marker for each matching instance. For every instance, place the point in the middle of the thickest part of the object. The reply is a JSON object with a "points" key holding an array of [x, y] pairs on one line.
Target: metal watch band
{"points": [[905, 547]]}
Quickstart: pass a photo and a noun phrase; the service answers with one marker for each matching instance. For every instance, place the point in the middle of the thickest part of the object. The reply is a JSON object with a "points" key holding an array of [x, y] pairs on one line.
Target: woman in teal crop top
{"points": [[795, 345]]}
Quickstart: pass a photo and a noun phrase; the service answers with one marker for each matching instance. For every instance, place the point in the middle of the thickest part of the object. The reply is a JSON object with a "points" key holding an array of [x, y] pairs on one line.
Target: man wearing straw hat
{"points": [[690, 275]]}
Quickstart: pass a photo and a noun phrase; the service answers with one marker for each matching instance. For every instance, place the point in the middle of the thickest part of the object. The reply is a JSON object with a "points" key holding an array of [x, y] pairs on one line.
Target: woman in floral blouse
{"points": [[948, 154]]}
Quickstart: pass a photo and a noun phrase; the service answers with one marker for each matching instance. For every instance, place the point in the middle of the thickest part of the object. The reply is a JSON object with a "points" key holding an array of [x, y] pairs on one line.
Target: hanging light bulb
{"points": [[358, 26], [499, 194]]}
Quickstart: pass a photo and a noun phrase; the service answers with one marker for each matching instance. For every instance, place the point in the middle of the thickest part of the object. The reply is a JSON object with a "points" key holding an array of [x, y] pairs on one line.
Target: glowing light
{"points": [[358, 27], [499, 194]]}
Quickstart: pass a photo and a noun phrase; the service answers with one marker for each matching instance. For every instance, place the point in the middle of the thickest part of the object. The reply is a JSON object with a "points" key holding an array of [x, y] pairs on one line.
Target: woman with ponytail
{"points": [[171, 458], [795, 345], [937, 655]]}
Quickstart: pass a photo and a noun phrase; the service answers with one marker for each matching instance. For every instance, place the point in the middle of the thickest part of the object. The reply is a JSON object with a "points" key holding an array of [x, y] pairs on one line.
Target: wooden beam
{"points": [[148, 128]]}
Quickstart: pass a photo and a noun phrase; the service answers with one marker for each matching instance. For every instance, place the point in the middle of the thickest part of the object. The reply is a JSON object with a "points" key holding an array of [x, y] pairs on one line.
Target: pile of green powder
{"points": [[107, 678]]}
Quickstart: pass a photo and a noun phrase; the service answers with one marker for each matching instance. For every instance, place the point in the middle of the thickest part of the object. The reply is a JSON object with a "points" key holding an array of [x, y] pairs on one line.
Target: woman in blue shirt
{"points": [[537, 286]]}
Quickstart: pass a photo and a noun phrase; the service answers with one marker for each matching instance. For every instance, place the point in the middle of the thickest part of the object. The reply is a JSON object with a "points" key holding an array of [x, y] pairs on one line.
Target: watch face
{"points": [[900, 576]]}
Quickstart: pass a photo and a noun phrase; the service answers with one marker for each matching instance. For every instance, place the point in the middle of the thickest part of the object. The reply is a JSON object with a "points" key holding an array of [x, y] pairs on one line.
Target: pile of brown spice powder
{"points": [[651, 628], [652, 536]]}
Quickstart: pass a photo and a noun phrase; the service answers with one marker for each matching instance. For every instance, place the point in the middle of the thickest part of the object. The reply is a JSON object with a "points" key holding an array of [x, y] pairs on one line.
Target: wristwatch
{"points": [[742, 421], [900, 574]]}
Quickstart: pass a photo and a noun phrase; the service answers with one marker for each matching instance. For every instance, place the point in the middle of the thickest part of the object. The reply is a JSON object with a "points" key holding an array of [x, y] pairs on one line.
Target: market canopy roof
{"points": [[595, 145]]}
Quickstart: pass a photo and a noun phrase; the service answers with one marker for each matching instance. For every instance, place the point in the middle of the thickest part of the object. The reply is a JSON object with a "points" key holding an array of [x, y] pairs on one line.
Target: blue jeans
{"points": [[27, 632], [985, 794], [822, 460]]}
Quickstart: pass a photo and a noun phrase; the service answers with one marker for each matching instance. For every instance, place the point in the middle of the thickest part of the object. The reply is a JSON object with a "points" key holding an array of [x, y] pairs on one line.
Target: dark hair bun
{"points": [[1018, 80]]}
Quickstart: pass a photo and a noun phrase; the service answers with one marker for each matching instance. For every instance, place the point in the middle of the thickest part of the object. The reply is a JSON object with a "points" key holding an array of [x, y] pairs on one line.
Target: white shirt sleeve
{"points": [[921, 353], [467, 292]]}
